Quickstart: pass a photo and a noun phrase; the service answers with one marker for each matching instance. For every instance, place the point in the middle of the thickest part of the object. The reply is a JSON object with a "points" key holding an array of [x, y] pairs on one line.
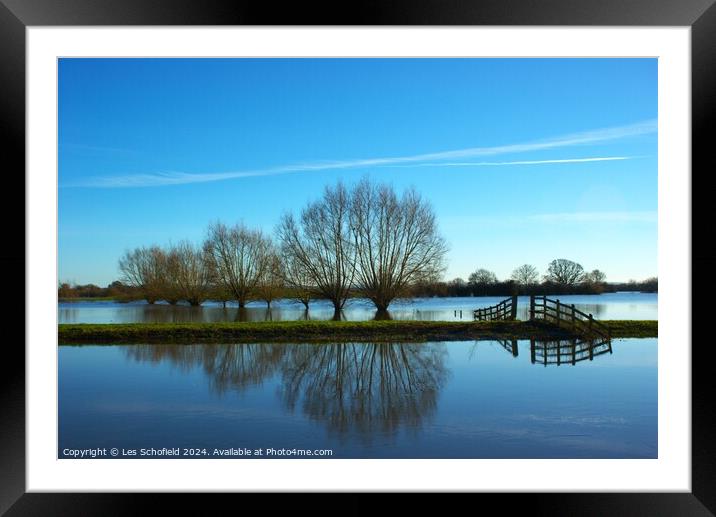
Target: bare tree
{"points": [[397, 243], [189, 272], [217, 290], [297, 277], [526, 274], [144, 268], [321, 242], [170, 290], [271, 286], [482, 277], [564, 272], [238, 257]]}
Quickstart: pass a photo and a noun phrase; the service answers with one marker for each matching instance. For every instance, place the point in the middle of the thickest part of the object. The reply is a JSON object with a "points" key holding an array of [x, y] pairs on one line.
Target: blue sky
{"points": [[523, 160]]}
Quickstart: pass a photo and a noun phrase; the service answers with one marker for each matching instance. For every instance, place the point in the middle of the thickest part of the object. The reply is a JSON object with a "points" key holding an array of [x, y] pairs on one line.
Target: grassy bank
{"points": [[321, 331]]}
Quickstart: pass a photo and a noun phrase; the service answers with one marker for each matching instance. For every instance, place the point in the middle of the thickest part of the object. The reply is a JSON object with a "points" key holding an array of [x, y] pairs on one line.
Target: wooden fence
{"points": [[566, 316], [505, 310]]}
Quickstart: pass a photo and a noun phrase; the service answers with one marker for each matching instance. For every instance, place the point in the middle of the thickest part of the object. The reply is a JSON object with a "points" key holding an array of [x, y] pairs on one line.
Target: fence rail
{"points": [[505, 310], [566, 316]]}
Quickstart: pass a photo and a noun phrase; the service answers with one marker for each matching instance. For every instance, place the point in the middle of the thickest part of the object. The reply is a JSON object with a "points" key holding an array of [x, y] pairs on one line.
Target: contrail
{"points": [[523, 162], [157, 179]]}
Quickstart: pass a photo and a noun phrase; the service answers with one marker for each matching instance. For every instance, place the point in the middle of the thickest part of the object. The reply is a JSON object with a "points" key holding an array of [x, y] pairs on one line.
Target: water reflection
{"points": [[352, 388], [364, 387], [613, 306], [554, 352], [567, 351], [228, 367], [356, 387], [511, 346]]}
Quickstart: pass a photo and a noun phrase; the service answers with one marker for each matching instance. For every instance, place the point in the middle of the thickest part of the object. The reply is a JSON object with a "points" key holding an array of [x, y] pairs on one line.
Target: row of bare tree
{"points": [[365, 240]]}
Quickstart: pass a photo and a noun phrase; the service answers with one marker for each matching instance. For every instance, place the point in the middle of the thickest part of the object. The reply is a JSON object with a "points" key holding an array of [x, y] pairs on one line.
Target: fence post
{"points": [[591, 319], [532, 308], [559, 353], [513, 314], [574, 352], [558, 312], [574, 323], [532, 351]]}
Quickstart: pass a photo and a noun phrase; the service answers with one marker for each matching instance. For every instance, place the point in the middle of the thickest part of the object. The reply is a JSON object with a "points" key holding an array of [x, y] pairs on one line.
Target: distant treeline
{"points": [[510, 287], [116, 291], [562, 277]]}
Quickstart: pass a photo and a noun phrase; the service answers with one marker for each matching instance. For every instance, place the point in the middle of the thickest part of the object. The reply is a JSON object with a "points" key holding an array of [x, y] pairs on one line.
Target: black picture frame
{"points": [[700, 15]]}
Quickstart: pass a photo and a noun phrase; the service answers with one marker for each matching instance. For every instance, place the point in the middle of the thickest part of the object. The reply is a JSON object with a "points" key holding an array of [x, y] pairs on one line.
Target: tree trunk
{"points": [[381, 304], [382, 315]]}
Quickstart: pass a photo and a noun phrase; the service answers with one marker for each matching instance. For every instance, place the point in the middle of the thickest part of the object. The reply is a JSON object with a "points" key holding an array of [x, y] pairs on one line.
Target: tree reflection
{"points": [[239, 366], [228, 367], [352, 387], [364, 387]]}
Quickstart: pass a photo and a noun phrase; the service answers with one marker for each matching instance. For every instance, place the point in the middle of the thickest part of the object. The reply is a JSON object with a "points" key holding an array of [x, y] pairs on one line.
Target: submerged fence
{"points": [[554, 312], [505, 310], [566, 316]]}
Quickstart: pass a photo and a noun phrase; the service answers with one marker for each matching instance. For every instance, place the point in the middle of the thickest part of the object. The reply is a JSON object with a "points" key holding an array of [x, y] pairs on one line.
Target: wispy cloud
{"points": [[521, 162], [589, 137]]}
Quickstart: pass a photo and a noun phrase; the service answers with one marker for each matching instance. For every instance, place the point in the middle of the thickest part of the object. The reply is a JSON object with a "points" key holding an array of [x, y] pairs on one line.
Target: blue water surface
{"points": [[486, 399], [608, 306]]}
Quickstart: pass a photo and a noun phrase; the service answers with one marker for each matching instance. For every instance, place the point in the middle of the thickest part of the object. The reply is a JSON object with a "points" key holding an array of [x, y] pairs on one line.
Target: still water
{"points": [[611, 306], [486, 399]]}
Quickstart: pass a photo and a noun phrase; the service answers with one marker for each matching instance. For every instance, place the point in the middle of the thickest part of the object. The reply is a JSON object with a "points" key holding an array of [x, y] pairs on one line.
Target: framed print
{"points": [[473, 164]]}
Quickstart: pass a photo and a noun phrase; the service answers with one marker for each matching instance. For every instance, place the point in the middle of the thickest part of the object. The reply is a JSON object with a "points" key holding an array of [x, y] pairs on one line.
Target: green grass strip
{"points": [[322, 331]]}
